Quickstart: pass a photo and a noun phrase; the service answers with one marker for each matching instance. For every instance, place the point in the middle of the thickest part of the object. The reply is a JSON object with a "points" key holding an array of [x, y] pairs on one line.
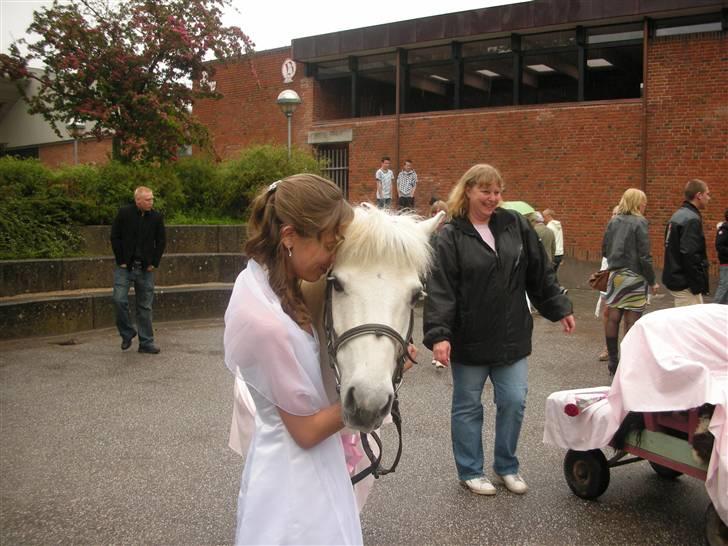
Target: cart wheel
{"points": [[716, 532], [665, 472], [586, 472]]}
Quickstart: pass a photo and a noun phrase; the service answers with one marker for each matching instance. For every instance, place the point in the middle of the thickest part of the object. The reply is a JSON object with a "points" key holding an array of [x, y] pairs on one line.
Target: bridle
{"points": [[334, 343]]}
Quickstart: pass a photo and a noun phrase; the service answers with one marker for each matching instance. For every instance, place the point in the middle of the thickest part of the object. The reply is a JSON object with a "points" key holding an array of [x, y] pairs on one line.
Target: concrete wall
{"points": [[18, 277], [55, 316], [180, 239]]}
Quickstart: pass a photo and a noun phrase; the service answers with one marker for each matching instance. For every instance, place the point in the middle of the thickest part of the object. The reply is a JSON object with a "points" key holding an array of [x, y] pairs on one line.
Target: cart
{"points": [[661, 393]]}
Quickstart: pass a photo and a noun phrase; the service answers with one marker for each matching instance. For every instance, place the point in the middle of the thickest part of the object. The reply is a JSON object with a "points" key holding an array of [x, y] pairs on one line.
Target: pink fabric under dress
{"points": [[671, 360]]}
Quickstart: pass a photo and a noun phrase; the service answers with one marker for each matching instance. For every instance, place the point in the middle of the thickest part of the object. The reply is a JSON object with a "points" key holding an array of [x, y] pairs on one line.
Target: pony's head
{"points": [[377, 279]]}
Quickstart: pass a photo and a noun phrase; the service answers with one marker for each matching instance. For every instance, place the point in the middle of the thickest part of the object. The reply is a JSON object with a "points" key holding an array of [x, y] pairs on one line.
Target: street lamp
{"points": [[75, 128], [288, 100]]}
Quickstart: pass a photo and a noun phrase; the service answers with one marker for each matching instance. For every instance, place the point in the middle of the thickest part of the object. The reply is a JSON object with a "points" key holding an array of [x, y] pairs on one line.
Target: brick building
{"points": [[573, 100]]}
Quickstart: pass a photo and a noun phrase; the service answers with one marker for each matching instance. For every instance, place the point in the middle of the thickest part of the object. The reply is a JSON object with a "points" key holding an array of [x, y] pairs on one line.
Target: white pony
{"points": [[377, 279]]}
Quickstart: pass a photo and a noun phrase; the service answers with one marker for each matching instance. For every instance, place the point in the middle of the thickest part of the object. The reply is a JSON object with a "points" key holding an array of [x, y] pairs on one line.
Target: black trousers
{"points": [[406, 202]]}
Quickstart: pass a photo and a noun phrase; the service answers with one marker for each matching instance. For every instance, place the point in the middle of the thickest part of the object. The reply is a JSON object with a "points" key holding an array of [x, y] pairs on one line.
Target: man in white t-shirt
{"points": [[384, 178], [554, 225]]}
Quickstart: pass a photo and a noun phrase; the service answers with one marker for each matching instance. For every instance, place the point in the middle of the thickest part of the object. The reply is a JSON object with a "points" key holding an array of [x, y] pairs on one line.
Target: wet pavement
{"points": [[103, 446]]}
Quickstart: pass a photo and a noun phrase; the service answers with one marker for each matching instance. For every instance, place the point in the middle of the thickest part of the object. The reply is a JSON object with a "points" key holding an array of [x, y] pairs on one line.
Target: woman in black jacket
{"points": [[626, 245], [476, 314]]}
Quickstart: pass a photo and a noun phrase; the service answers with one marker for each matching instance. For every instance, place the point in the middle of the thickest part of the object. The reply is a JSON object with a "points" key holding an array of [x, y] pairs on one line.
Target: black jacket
{"points": [[721, 243], [129, 225], [477, 299], [626, 243], [686, 261]]}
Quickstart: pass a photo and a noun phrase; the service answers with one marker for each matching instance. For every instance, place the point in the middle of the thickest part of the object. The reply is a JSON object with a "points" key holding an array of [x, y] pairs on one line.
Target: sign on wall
{"points": [[288, 69]]}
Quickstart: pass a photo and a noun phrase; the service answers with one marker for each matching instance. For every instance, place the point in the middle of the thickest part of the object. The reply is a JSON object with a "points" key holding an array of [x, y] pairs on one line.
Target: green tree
{"points": [[127, 68]]}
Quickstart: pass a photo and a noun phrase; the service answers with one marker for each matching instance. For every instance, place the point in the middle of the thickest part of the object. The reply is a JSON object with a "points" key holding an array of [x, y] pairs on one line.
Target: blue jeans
{"points": [[721, 293], [510, 385], [143, 282]]}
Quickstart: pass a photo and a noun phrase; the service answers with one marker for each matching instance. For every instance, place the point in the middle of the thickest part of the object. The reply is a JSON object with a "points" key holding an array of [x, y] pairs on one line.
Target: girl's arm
{"points": [[310, 430]]}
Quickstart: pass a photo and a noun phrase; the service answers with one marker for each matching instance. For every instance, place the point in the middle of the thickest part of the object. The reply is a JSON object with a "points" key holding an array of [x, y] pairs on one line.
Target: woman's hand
{"points": [[412, 360], [568, 323], [441, 352]]}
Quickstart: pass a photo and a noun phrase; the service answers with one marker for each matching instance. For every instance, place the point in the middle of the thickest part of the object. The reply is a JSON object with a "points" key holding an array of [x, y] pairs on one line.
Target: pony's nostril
{"points": [[349, 398], [385, 410]]}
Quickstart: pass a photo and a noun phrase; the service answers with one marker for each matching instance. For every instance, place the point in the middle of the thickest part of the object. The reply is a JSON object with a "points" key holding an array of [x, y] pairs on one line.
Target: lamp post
{"points": [[75, 128], [288, 100]]}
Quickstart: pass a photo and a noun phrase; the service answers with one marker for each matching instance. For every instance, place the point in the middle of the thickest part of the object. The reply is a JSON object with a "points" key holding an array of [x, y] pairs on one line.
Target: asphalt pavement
{"points": [[100, 446]]}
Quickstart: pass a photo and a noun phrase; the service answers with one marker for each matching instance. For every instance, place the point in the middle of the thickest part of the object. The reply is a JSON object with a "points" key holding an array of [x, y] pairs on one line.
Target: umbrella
{"points": [[518, 206]]}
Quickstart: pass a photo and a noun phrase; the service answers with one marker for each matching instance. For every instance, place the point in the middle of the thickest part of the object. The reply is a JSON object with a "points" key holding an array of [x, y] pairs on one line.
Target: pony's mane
{"points": [[376, 237]]}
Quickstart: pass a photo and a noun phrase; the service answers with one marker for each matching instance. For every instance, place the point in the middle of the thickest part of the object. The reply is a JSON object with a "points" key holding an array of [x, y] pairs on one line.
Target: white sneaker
{"points": [[513, 482], [479, 486], [438, 365]]}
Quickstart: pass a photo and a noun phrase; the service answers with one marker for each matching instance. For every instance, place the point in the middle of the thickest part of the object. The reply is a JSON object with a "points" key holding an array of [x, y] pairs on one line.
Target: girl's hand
{"points": [[412, 352]]}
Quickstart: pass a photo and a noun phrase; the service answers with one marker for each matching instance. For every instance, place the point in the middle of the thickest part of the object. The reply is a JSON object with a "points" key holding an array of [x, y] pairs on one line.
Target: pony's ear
{"points": [[430, 225]]}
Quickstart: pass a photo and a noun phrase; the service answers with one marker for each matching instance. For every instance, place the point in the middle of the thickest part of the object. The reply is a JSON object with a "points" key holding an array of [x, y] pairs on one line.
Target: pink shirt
{"points": [[486, 234]]}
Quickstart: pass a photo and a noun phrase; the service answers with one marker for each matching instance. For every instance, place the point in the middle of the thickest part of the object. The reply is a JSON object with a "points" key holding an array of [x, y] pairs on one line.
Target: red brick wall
{"points": [[248, 113], [575, 158], [89, 151], [687, 100]]}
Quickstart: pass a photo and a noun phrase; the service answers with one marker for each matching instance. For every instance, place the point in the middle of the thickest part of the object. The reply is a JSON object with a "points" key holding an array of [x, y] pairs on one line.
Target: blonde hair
{"points": [[142, 189], [438, 206], [631, 201], [312, 206], [481, 175]]}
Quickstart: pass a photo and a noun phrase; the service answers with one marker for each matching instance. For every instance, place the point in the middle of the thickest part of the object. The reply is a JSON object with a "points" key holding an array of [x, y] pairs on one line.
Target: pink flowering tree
{"points": [[126, 68]]}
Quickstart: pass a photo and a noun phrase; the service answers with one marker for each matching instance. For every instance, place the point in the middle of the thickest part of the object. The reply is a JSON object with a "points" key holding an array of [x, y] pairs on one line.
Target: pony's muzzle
{"points": [[365, 413]]}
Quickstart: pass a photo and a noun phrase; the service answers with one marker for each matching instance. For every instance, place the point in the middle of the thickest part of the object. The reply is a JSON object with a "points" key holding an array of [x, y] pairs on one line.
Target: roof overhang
{"points": [[525, 17]]}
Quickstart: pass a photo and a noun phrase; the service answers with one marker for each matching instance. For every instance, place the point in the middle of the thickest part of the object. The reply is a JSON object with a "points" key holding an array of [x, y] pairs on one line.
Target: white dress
{"points": [[288, 495]]}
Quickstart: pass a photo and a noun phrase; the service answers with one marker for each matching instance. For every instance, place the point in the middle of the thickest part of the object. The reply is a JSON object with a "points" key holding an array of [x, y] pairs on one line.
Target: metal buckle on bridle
{"points": [[334, 342]]}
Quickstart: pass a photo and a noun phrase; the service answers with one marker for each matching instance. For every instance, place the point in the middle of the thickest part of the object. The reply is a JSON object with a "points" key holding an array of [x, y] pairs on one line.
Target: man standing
{"points": [[406, 184], [685, 273], [138, 239], [547, 237], [721, 246], [554, 225], [384, 178]]}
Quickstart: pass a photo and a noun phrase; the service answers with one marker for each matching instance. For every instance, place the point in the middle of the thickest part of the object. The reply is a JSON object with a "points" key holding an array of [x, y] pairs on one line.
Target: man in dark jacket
{"points": [[721, 245], [685, 273], [138, 239]]}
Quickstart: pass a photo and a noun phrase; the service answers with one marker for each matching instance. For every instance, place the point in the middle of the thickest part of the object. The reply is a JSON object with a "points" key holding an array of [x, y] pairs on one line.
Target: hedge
{"points": [[38, 204]]}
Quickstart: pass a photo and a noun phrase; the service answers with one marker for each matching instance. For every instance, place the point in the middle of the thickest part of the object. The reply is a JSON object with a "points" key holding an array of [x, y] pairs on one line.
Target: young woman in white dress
{"points": [[295, 487]]}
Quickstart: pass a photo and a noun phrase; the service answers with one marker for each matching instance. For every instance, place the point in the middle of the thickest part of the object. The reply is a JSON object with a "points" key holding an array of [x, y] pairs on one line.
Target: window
{"points": [[688, 25], [376, 85]]}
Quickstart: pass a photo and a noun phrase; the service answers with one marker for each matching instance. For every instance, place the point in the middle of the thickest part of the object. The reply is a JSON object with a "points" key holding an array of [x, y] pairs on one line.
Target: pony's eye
{"points": [[416, 296], [337, 284]]}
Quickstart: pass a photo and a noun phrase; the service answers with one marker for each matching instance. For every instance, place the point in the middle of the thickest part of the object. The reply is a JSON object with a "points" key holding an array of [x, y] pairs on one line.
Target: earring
{"points": [[290, 252]]}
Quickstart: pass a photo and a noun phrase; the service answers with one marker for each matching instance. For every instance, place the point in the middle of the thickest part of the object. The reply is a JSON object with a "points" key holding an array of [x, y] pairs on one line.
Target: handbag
{"points": [[599, 280]]}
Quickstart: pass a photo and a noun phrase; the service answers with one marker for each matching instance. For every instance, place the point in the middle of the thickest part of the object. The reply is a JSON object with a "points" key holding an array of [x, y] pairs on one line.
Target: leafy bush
{"points": [[256, 167], [26, 233], [23, 178], [38, 205], [201, 185]]}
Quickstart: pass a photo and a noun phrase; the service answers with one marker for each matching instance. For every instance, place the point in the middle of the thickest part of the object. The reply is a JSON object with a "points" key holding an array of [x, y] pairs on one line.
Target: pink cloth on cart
{"points": [[671, 360]]}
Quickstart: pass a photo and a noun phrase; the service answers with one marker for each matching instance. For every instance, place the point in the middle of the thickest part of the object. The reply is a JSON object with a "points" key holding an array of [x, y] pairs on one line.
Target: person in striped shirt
{"points": [[406, 184]]}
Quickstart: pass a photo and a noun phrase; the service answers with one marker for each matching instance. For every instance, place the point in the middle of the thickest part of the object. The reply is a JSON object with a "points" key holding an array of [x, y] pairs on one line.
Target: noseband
{"points": [[334, 343]]}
